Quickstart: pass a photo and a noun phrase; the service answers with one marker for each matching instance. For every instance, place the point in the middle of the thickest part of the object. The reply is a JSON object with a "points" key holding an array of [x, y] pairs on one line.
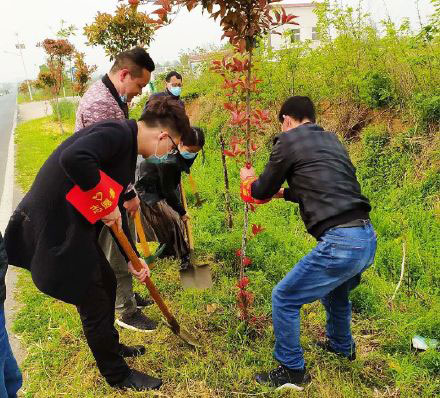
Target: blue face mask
{"points": [[123, 98], [176, 91], [188, 155]]}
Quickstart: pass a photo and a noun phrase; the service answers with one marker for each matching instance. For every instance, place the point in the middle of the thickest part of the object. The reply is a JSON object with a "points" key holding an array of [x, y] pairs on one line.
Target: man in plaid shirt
{"points": [[322, 180]]}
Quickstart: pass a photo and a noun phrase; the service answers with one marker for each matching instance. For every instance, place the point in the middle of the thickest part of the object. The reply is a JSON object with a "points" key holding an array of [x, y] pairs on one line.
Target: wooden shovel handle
{"points": [[187, 222], [123, 241], [141, 233], [192, 183]]}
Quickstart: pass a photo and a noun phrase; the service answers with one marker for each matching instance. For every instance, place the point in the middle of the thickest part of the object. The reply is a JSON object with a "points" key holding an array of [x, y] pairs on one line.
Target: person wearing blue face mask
{"points": [[173, 88], [158, 189]]}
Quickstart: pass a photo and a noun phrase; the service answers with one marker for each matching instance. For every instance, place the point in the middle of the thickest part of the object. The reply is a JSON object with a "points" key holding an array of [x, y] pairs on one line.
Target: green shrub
{"points": [[66, 108], [376, 90], [428, 108]]}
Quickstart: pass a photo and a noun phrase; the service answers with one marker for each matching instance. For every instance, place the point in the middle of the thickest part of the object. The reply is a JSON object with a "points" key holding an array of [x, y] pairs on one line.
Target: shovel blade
{"points": [[184, 335], [198, 277]]}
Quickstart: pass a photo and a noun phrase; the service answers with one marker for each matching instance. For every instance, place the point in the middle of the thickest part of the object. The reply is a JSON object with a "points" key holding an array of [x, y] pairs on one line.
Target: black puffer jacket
{"points": [[161, 181], [3, 269]]}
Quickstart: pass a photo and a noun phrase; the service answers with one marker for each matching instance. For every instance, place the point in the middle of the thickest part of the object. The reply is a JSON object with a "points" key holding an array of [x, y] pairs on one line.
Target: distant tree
{"points": [[57, 51], [126, 29], [83, 73]]}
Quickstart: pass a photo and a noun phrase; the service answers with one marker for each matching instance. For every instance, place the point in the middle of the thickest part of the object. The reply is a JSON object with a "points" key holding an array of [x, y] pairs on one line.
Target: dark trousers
{"points": [[97, 313]]}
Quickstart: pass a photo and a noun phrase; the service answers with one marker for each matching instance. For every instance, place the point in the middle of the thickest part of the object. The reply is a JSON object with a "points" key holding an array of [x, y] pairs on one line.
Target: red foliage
{"points": [[247, 261], [256, 229], [243, 283]]}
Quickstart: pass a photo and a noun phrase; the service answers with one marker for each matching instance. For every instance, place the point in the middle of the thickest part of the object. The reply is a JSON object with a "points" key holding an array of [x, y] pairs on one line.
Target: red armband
{"points": [[246, 192], [98, 201]]}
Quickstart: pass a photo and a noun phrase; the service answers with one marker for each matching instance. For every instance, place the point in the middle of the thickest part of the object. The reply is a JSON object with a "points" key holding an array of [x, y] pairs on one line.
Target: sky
{"points": [[36, 20]]}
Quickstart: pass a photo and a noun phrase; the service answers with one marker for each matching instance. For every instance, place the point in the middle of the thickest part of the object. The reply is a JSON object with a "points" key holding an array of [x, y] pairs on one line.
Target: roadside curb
{"points": [[6, 207]]}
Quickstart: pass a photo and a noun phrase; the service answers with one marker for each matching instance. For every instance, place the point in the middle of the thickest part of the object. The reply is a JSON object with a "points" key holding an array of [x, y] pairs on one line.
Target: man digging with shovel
{"points": [[54, 230], [323, 182]]}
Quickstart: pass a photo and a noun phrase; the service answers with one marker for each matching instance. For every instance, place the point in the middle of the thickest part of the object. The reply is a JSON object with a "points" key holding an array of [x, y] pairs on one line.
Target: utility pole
{"points": [[20, 46]]}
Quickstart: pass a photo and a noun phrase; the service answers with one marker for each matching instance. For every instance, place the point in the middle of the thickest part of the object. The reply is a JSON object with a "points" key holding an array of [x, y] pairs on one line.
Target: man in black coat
{"points": [[53, 232], [173, 88]]}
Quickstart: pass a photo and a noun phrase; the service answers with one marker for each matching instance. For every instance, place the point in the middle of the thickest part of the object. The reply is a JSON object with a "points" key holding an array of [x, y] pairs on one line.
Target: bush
{"points": [[376, 90], [428, 108], [67, 110]]}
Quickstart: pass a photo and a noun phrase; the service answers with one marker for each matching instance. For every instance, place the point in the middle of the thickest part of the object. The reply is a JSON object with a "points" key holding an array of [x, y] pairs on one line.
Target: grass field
{"points": [[59, 363]]}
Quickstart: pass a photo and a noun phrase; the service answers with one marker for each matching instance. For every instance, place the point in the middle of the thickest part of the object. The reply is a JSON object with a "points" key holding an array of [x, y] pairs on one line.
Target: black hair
{"points": [[196, 138], [299, 108], [168, 113], [171, 74], [134, 60]]}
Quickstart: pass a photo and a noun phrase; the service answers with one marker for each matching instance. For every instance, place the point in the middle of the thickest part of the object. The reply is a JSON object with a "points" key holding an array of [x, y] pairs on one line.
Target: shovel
{"points": [[199, 201], [149, 258], [171, 321], [198, 276]]}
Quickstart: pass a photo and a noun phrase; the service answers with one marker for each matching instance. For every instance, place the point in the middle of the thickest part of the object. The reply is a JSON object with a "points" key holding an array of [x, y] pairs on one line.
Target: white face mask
{"points": [[156, 159]]}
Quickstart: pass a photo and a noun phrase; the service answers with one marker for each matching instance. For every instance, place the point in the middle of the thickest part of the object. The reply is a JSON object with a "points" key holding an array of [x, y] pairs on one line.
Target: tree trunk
{"points": [[226, 178], [58, 113], [244, 238]]}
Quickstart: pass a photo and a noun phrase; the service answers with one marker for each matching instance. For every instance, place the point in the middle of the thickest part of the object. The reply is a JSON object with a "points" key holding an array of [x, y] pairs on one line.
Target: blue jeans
{"points": [[10, 375], [328, 273]]}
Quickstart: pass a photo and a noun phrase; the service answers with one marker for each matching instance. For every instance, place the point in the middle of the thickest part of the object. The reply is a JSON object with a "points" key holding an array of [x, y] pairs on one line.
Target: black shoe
{"points": [[137, 321], [325, 345], [283, 377], [139, 381], [185, 264], [141, 301], [131, 351]]}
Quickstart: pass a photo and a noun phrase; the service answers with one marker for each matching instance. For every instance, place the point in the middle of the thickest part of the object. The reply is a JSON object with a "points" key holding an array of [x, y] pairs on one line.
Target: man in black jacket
{"points": [[54, 230], [173, 88], [10, 375], [322, 180]]}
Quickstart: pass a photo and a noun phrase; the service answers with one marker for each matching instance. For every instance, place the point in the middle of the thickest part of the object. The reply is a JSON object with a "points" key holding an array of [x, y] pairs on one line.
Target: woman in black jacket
{"points": [[159, 192], [54, 230]]}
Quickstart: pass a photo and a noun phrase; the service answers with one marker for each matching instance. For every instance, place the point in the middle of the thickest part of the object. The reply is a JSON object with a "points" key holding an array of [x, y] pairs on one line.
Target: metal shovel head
{"points": [[184, 335], [196, 277]]}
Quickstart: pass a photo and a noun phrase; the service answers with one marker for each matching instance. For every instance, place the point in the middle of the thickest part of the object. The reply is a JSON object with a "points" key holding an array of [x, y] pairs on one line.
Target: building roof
{"points": [[298, 5]]}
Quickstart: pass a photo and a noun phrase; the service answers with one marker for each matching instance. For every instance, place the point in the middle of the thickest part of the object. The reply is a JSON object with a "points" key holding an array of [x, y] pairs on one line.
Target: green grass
{"points": [[60, 364], [42, 95], [36, 139]]}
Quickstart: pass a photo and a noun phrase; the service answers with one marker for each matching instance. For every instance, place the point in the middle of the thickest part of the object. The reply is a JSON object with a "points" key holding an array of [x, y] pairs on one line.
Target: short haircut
{"points": [[166, 112], [299, 108], [171, 74], [196, 138], [134, 60]]}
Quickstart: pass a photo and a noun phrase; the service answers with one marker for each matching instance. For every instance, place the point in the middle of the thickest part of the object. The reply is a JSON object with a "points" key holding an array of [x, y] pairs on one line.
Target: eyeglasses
{"points": [[175, 148]]}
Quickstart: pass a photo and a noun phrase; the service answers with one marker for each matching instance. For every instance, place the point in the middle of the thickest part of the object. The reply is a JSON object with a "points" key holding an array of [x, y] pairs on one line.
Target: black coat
{"points": [[321, 178], [46, 234], [3, 270], [161, 181]]}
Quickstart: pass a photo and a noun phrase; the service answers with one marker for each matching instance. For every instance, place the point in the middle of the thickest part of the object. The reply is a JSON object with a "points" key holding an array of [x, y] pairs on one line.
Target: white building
{"points": [[305, 30]]}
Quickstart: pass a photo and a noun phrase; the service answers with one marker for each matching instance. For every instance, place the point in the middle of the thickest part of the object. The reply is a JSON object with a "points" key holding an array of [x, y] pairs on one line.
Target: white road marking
{"points": [[6, 202]]}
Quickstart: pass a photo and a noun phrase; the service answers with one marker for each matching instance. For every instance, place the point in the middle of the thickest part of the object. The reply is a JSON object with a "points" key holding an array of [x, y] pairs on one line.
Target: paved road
{"points": [[9, 197], [7, 112]]}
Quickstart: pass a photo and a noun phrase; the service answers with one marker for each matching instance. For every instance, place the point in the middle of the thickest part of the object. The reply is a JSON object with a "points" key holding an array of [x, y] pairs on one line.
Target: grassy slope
{"points": [[60, 364]]}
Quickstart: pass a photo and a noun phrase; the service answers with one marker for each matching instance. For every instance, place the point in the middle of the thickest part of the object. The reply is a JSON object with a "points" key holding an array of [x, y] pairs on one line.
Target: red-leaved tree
{"points": [[57, 51], [243, 22]]}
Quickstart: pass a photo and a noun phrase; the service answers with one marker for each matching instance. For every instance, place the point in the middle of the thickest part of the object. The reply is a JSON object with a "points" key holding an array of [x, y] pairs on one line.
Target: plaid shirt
{"points": [[321, 178]]}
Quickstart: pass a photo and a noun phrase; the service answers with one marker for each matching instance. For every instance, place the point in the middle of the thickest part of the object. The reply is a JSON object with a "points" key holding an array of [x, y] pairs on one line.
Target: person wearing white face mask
{"points": [[158, 189], [173, 88]]}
